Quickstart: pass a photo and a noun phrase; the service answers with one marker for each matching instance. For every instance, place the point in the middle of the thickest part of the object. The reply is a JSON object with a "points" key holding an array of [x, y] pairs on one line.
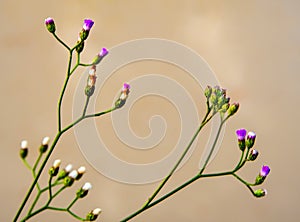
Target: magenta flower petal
{"points": [[265, 170], [49, 21], [241, 134], [88, 24], [103, 52], [126, 87]]}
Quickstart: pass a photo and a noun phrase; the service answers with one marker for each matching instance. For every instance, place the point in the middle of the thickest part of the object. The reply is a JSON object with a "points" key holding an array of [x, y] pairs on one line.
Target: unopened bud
{"points": [[100, 56], [265, 170], [233, 108], [87, 25], [123, 96], [24, 149], [69, 180], [80, 45], [53, 171], [81, 171], [49, 22], [92, 216], [260, 192], [62, 174], [44, 145], [253, 155], [83, 191], [207, 92], [250, 139]]}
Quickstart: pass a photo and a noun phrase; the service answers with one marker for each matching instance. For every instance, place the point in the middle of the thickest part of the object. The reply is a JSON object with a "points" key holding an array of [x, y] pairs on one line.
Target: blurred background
{"points": [[252, 46]]}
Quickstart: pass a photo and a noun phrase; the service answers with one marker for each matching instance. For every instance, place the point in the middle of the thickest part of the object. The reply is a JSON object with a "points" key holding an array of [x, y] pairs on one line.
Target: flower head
{"points": [[49, 22], [88, 24], [92, 216], [253, 155], [103, 52], [241, 134], [265, 170], [250, 139], [100, 56]]}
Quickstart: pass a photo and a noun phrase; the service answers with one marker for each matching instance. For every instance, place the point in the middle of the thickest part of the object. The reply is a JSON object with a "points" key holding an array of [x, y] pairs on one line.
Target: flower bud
{"points": [[207, 92], [250, 139], [81, 171], [123, 96], [90, 87], [92, 216], [80, 45], [69, 180], [49, 22], [241, 134], [265, 170], [83, 191], [233, 108], [87, 25], [100, 56], [53, 171], [24, 149], [62, 174], [44, 145], [253, 155], [260, 192]]}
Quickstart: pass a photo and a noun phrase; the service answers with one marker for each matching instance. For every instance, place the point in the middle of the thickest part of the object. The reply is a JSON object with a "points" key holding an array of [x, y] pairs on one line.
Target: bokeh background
{"points": [[253, 48]]}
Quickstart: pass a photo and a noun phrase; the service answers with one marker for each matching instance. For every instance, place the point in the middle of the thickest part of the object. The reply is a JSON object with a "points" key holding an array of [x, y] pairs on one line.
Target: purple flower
{"points": [[88, 24], [265, 170], [49, 21], [126, 87], [103, 52], [241, 134]]}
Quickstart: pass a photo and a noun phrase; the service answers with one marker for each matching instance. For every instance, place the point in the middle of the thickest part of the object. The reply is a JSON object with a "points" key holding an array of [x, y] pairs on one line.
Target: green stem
{"points": [[204, 121], [72, 203], [38, 175], [60, 41], [26, 164], [86, 105], [213, 147]]}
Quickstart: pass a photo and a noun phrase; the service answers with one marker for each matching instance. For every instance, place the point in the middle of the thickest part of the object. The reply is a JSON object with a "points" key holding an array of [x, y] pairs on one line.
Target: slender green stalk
{"points": [[204, 121], [185, 184], [60, 41]]}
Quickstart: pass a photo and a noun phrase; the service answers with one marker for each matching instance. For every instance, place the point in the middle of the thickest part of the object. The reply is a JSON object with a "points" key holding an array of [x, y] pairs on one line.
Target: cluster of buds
{"points": [[219, 102], [43, 148], [92, 216], [123, 96], [68, 174], [247, 140]]}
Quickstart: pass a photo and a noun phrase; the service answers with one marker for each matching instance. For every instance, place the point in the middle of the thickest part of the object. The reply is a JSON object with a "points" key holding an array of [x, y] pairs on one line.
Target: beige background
{"points": [[252, 46]]}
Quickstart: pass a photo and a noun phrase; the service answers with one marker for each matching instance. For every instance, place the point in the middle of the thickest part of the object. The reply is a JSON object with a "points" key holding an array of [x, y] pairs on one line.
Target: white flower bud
{"points": [[56, 163], [73, 174], [68, 168], [81, 170], [45, 141], [96, 211], [87, 186], [24, 144]]}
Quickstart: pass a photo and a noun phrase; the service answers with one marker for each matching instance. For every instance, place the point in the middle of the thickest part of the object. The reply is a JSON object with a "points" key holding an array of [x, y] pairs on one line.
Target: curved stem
{"points": [[61, 42], [204, 121]]}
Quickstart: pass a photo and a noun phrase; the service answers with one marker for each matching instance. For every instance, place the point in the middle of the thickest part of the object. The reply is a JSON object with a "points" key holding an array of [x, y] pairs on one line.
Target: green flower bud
{"points": [[207, 92], [253, 155], [260, 192], [83, 191], [80, 46], [53, 171], [233, 108]]}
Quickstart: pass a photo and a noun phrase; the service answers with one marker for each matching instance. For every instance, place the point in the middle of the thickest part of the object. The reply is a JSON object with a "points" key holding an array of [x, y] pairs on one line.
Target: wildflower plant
{"points": [[217, 106]]}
